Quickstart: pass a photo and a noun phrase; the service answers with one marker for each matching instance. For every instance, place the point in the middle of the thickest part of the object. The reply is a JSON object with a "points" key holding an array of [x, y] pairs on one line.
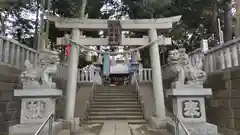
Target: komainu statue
{"points": [[40, 76], [184, 72]]}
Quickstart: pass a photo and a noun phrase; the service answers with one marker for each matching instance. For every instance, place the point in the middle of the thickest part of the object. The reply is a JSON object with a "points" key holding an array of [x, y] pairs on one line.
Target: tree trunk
{"points": [[35, 43], [237, 32], [3, 28], [83, 8], [41, 35], [228, 22], [214, 19]]}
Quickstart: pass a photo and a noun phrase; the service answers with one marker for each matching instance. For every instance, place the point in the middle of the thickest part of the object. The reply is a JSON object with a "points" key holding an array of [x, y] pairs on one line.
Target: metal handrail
{"points": [[139, 95], [177, 122], [49, 119]]}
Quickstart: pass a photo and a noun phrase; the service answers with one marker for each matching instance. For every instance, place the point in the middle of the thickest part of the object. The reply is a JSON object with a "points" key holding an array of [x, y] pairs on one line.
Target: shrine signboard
{"points": [[114, 32]]}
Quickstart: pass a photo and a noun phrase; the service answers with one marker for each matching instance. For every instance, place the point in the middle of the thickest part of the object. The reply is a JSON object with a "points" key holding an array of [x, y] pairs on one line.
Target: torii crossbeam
{"points": [[88, 41], [101, 24]]}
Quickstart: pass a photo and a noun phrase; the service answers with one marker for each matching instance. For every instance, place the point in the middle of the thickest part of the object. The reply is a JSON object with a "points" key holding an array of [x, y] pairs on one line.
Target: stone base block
{"points": [[189, 103], [157, 123], [194, 128], [30, 129]]}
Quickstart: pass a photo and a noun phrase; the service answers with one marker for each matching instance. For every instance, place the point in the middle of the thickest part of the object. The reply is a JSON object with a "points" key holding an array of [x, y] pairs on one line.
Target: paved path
{"points": [[108, 128], [115, 128]]}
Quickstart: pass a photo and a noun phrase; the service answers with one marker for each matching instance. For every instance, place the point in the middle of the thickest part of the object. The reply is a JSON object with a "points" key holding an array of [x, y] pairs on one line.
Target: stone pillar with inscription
{"points": [[38, 95], [188, 97]]}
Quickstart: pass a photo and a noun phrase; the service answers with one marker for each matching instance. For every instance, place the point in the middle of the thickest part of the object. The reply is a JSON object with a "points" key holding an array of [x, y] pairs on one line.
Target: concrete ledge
{"points": [[189, 92], [30, 129], [37, 92]]}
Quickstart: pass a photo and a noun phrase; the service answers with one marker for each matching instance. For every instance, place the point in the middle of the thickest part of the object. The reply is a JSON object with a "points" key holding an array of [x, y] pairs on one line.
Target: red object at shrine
{"points": [[68, 50]]}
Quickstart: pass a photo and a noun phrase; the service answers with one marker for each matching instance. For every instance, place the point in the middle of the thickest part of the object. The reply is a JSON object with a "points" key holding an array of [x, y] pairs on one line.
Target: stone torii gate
{"points": [[150, 25]]}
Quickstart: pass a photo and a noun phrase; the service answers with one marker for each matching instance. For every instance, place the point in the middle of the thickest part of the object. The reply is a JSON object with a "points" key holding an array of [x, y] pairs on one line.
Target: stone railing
{"points": [[145, 75], [196, 57], [86, 76], [83, 75], [223, 56], [13, 53]]}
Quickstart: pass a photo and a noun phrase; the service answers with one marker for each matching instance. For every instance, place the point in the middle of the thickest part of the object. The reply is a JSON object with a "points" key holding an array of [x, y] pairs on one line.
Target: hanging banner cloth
{"points": [[67, 50], [131, 62], [106, 64]]}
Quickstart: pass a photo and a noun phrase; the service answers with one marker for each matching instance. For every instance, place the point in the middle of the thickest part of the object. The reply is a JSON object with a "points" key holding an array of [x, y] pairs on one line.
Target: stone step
{"points": [[113, 87], [116, 97], [115, 91], [116, 106], [115, 94], [116, 100], [134, 113], [102, 121], [123, 117], [115, 109], [115, 103]]}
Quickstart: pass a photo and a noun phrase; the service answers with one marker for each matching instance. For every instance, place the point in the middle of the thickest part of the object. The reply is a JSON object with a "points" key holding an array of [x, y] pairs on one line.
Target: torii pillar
{"points": [[72, 76], [157, 78]]}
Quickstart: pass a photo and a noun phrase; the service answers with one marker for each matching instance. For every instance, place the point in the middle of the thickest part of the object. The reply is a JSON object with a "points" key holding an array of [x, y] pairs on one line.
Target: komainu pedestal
{"points": [[189, 105], [36, 106], [38, 97], [188, 96]]}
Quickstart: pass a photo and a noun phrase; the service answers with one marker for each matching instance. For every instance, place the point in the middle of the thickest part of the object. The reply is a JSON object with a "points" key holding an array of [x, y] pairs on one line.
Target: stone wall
{"points": [[81, 104], [82, 96], [9, 105], [147, 95], [60, 102], [223, 109]]}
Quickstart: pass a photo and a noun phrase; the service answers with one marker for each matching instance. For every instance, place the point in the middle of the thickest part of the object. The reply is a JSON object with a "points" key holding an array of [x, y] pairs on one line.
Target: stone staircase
{"points": [[115, 103]]}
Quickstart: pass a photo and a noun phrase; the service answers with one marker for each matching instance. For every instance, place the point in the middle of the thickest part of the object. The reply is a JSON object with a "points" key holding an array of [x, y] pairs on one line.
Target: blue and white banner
{"points": [[106, 64]]}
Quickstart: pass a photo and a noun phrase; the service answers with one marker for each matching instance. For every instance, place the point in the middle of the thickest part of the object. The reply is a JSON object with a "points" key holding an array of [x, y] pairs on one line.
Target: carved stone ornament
{"points": [[40, 76], [35, 109], [185, 73], [191, 109]]}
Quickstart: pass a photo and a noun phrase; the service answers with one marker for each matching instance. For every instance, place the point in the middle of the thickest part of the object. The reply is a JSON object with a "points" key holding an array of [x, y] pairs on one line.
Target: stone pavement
{"points": [[93, 129], [118, 128], [115, 128], [108, 128]]}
